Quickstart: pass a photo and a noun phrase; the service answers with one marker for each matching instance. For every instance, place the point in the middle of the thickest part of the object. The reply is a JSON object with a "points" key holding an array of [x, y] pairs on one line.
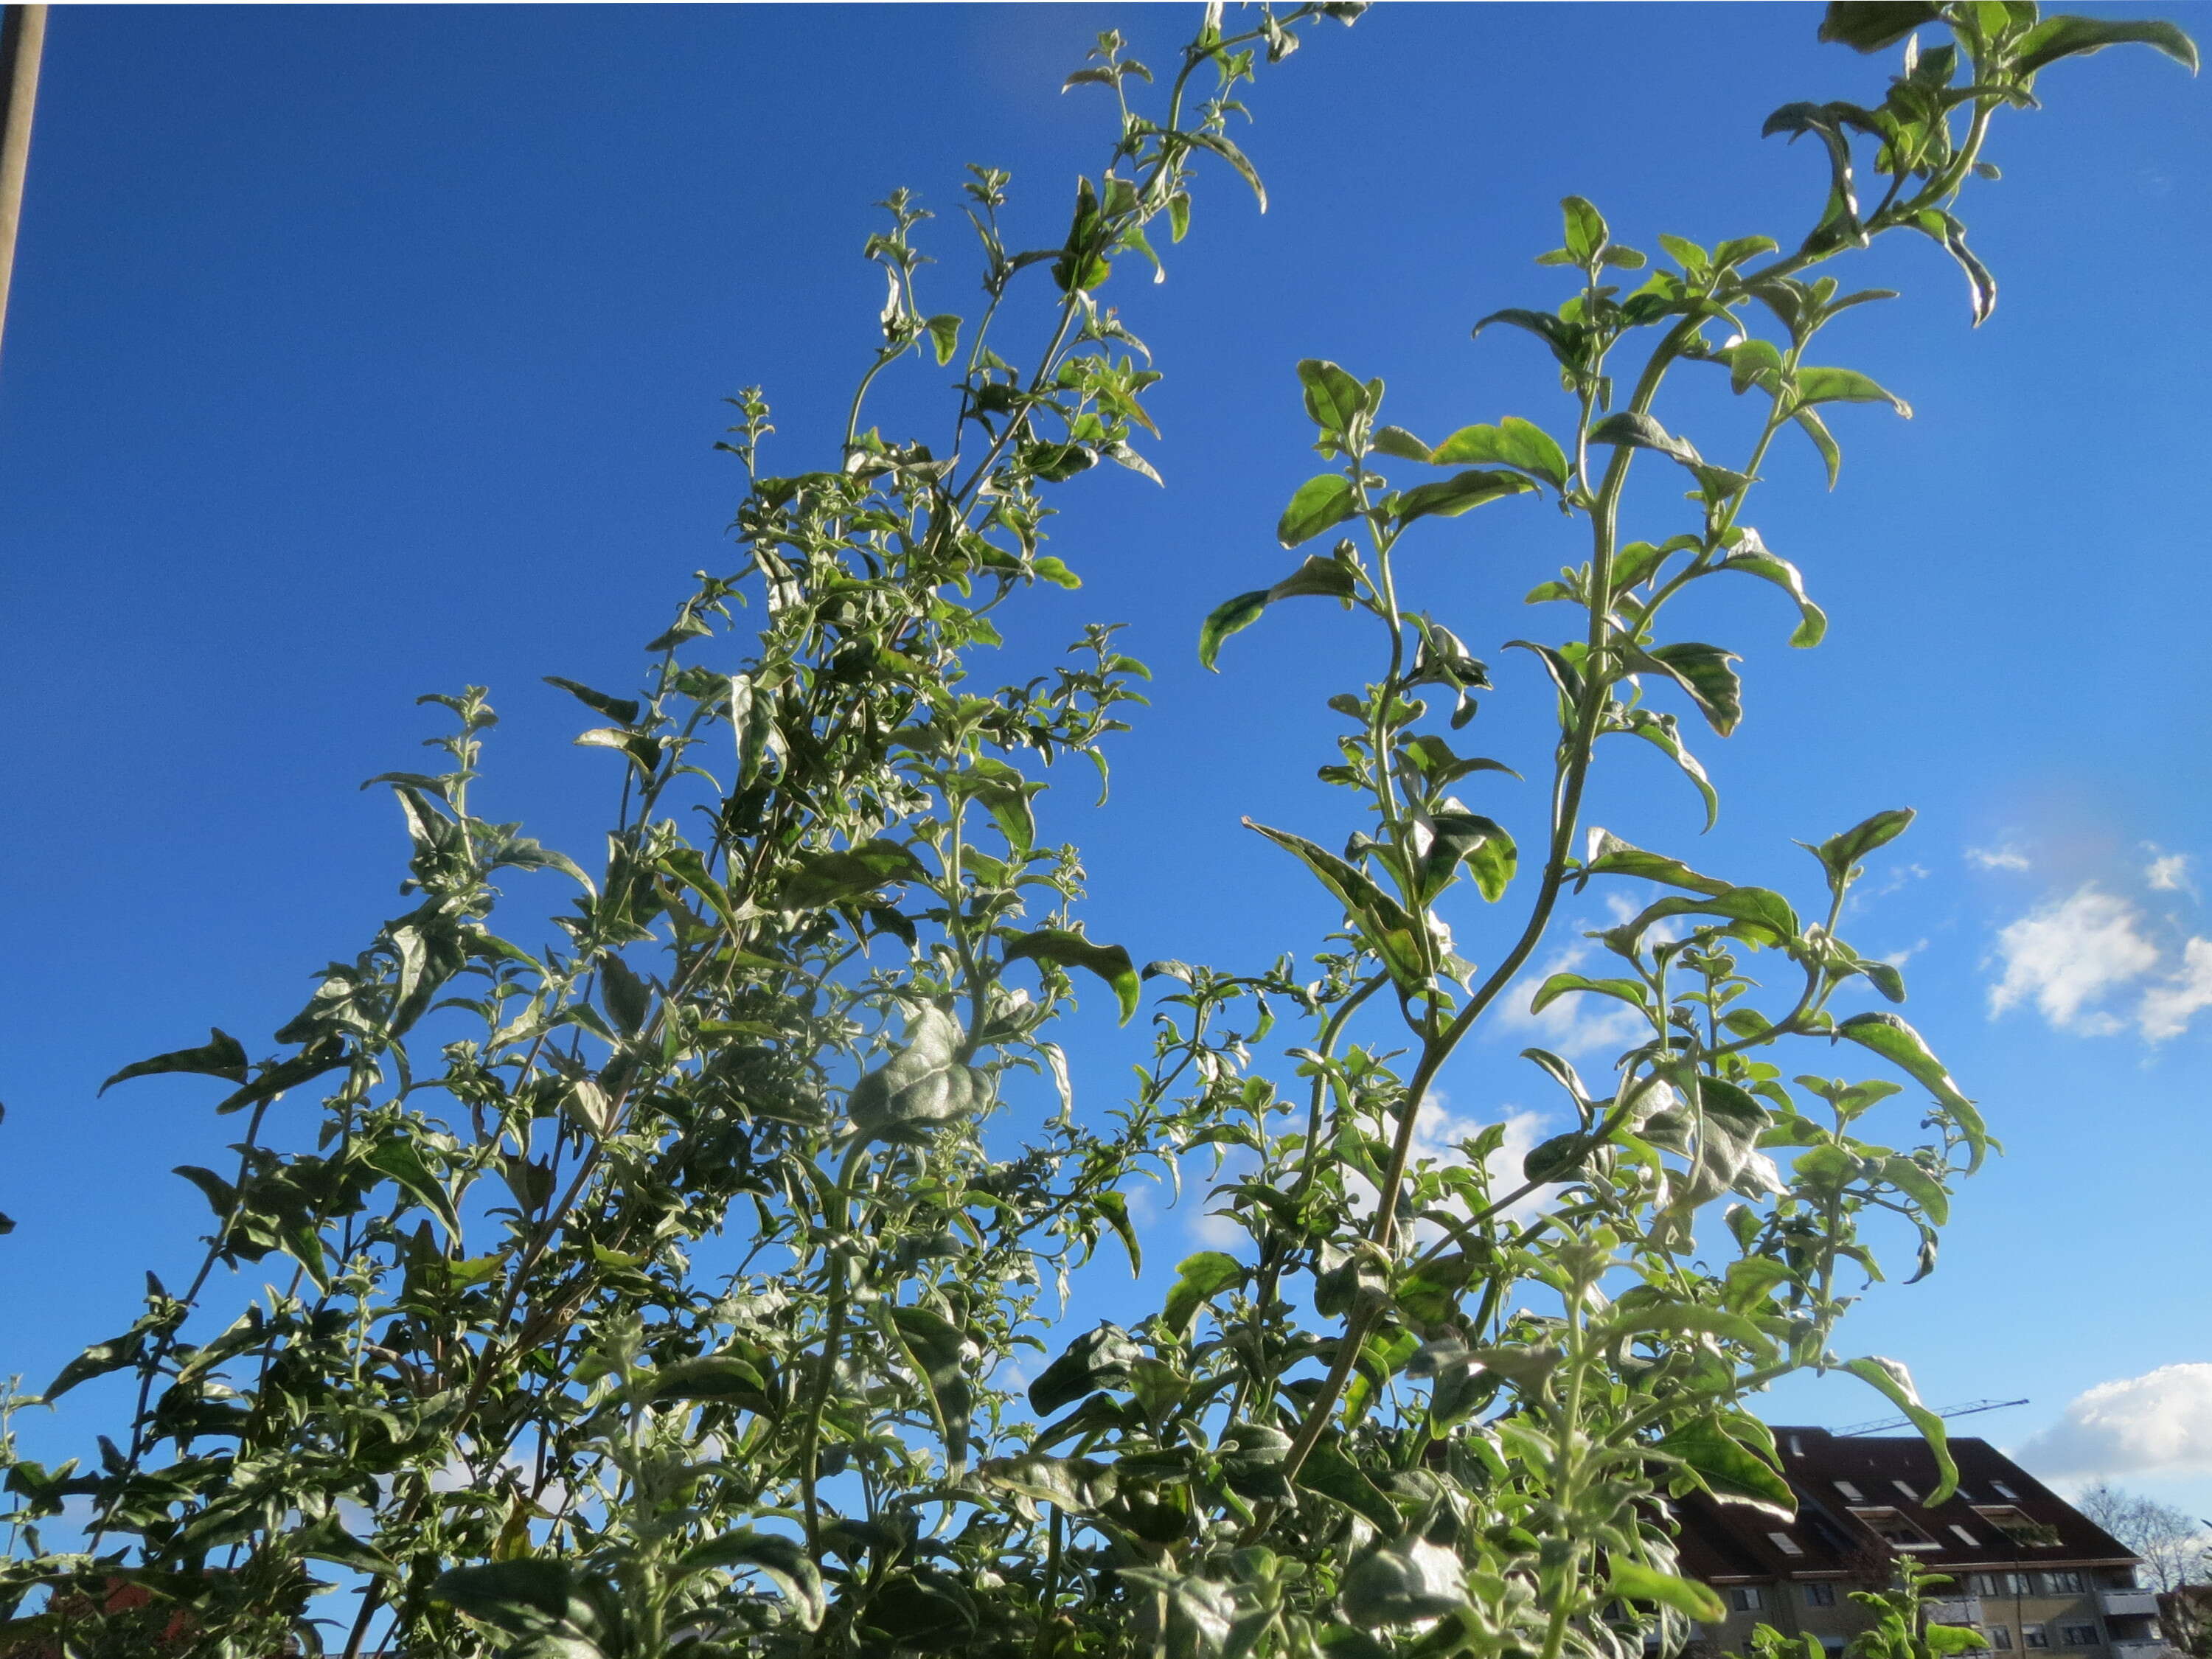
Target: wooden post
{"points": [[23, 41]]}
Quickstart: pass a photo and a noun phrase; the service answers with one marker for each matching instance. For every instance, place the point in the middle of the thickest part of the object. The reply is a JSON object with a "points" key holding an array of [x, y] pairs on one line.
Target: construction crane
{"points": [[1966, 1410]]}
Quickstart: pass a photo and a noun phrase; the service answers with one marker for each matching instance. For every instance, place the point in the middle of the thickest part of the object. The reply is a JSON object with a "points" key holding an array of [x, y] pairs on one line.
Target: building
{"points": [[2028, 1570]]}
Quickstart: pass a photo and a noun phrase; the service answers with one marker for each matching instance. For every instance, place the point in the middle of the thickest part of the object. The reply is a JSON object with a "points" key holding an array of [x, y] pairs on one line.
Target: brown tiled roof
{"points": [[1725, 1542]]}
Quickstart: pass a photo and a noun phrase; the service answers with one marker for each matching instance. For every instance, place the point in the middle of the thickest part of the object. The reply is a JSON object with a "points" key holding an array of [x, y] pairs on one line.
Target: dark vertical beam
{"points": [[22, 42]]}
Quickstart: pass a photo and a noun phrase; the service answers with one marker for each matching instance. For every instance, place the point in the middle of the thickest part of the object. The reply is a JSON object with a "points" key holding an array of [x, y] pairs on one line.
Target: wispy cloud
{"points": [[2006, 857], [2069, 956], [2167, 1009], [1577, 1023], [2167, 872], [2160, 1421]]}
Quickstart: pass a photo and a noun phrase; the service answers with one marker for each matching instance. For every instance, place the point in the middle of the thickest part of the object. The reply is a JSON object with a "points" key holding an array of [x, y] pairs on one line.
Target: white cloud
{"points": [[2159, 1422], [1996, 858], [2067, 956], [2167, 1009], [1899, 959], [1580, 1021], [2167, 872]]}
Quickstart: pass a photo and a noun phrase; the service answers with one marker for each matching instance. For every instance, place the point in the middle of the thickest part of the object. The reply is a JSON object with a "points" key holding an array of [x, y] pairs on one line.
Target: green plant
{"points": [[1899, 1628], [652, 1294]]}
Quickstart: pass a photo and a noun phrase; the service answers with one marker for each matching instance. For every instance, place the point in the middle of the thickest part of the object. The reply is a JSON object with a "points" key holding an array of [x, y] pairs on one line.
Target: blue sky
{"points": [[360, 352]]}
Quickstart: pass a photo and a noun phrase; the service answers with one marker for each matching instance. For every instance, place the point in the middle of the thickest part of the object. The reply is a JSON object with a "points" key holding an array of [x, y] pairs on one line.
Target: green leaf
{"points": [[1910, 1177], [783, 1561], [1838, 854], [1077, 1485], [1630, 991], [1396, 441], [1702, 671], [1767, 914], [1846, 385], [1226, 619], [1319, 502], [327, 1540], [1900, 1044], [1481, 843], [710, 1377], [1066, 949], [544, 1602], [832, 877], [1382, 920], [1200, 1277], [1729, 1468], [622, 710], [1894, 1383], [1639, 431], [921, 1087], [1317, 576], [1753, 560], [1635, 1581], [1513, 442], [1565, 339], [1610, 855], [1663, 733], [2067, 36], [1871, 25], [1954, 1638], [1327, 1471], [1100, 1358], [1831, 452], [1333, 397], [1447, 498], [940, 1351], [1752, 363], [945, 335], [1685, 1319], [98, 1360], [221, 1056], [1400, 1583], [1947, 229], [1586, 232]]}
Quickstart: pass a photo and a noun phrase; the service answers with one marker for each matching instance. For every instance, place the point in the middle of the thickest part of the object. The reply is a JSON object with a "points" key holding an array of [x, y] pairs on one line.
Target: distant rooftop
{"points": [[1861, 1500]]}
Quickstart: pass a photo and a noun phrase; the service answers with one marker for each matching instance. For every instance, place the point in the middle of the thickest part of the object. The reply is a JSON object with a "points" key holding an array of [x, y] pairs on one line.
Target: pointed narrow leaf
{"points": [[1902, 1047], [1226, 619], [783, 1561], [1638, 432], [1702, 670], [1756, 561], [1895, 1383], [1846, 385], [1449, 497], [221, 1056], [1839, 853], [1200, 1277], [1066, 949], [1831, 453], [1610, 855], [2055, 38], [1634, 1582]]}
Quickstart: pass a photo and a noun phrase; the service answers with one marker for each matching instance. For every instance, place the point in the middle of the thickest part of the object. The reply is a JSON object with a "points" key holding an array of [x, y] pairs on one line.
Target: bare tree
{"points": [[2174, 1547]]}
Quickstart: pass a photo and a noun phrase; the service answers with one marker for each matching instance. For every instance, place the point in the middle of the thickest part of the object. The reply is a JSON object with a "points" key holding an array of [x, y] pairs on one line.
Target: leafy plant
{"points": [[652, 1294]]}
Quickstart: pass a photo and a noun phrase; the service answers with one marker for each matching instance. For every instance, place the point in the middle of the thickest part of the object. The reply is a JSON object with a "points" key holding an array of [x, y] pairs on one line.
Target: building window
{"points": [[2031, 1636], [1894, 1530], [1911, 1495], [2000, 1637], [1785, 1543], [2004, 1492], [1851, 1493], [2062, 1583], [2015, 1525], [1818, 1595], [1745, 1598], [2080, 1636], [1965, 1537]]}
